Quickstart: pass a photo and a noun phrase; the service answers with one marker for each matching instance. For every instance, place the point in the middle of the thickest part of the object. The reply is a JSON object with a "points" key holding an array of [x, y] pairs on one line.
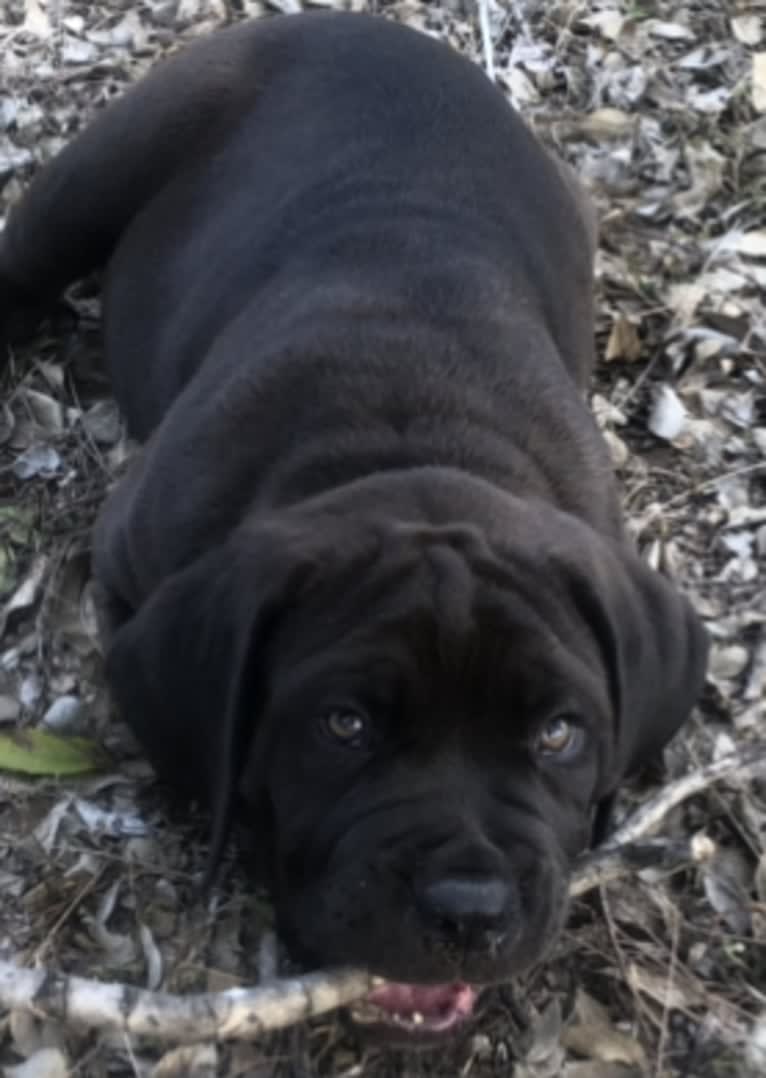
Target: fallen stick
{"points": [[235, 1014], [614, 863], [244, 1013], [735, 765], [486, 39]]}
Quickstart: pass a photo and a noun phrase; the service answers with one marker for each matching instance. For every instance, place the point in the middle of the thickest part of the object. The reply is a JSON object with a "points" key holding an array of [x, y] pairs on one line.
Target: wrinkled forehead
{"points": [[433, 605], [412, 585]]}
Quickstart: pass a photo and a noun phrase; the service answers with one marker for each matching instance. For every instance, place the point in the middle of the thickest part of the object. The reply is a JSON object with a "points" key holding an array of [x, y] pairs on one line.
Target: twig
{"points": [[244, 1013], [234, 1014], [486, 38], [740, 765], [701, 488], [659, 1069], [608, 864]]}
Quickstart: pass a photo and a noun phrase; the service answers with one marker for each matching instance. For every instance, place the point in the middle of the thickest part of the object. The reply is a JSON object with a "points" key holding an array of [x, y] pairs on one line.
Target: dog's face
{"points": [[429, 756], [418, 720]]}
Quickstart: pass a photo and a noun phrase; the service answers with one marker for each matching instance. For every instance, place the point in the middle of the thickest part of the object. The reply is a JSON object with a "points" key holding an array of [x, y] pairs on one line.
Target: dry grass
{"points": [[657, 106]]}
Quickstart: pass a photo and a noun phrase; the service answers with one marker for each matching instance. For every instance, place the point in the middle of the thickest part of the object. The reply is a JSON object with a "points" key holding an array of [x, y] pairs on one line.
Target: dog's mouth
{"points": [[418, 1009]]}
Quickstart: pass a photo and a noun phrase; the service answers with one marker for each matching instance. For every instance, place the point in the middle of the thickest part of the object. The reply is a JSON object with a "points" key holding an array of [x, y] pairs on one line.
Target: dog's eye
{"points": [[348, 727], [560, 738]]}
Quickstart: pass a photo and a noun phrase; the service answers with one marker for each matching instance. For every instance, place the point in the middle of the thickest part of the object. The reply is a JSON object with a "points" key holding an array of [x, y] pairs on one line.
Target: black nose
{"points": [[468, 904]]}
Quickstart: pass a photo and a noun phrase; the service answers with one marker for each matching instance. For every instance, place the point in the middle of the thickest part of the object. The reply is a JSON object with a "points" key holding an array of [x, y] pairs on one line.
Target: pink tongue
{"points": [[432, 1001]]}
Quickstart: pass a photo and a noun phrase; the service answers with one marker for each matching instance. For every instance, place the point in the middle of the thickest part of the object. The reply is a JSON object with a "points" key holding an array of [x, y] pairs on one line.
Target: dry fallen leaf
{"points": [[753, 244], [38, 460], [47, 1063], [27, 593], [668, 415], [592, 1035], [756, 1046], [595, 1069], [671, 31], [760, 879], [188, 1061], [31, 1034], [624, 341], [36, 20], [544, 1056], [726, 878], [759, 81], [618, 449], [100, 821], [152, 957], [685, 298], [672, 992], [608, 123], [747, 29], [608, 23]]}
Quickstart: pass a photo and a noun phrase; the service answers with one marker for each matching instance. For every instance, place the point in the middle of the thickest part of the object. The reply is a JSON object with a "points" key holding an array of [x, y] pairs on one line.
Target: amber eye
{"points": [[348, 727], [560, 737]]}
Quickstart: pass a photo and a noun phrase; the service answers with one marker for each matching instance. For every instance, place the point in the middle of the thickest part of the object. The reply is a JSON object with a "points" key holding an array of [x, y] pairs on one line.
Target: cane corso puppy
{"points": [[365, 587]]}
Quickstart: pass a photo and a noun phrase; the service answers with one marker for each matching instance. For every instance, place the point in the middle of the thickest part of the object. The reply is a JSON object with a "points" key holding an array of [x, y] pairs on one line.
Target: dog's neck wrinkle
{"points": [[445, 418], [319, 474], [318, 471]]}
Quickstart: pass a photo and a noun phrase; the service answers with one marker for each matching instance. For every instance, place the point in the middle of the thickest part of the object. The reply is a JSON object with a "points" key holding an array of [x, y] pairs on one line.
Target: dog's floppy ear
{"points": [[182, 669], [655, 650]]}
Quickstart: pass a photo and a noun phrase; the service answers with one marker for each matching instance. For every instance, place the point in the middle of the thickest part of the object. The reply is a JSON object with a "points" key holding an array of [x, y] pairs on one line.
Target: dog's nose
{"points": [[467, 904]]}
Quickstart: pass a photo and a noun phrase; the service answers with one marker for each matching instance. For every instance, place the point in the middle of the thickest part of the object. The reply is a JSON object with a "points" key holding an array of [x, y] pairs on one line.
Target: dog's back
{"points": [[350, 142], [332, 250]]}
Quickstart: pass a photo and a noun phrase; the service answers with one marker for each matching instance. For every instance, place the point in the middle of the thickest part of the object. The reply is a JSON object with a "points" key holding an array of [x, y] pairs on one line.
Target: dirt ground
{"points": [[661, 107]]}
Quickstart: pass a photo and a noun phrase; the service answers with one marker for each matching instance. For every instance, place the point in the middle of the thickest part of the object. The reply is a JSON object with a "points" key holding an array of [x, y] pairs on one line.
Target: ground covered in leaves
{"points": [[662, 108]]}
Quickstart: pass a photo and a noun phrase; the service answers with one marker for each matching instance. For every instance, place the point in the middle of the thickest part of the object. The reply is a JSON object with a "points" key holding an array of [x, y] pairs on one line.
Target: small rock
{"points": [[63, 712], [9, 709], [728, 661]]}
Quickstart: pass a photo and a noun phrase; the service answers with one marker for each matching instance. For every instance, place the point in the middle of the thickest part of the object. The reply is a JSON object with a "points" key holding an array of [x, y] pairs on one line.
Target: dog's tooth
{"points": [[417, 1018]]}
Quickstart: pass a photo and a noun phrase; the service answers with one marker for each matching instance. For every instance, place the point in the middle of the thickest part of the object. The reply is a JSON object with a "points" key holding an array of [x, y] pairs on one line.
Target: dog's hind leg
{"points": [[75, 210]]}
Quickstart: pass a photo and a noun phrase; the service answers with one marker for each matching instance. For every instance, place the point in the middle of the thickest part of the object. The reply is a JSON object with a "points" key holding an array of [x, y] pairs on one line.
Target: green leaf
{"points": [[7, 570], [17, 523], [38, 752], [16, 535]]}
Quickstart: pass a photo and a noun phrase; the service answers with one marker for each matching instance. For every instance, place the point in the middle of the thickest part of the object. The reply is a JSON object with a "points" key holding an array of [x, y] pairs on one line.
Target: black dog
{"points": [[366, 584]]}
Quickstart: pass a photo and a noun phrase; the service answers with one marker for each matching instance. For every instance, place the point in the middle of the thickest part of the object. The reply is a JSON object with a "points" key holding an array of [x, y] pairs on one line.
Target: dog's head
{"points": [[418, 701]]}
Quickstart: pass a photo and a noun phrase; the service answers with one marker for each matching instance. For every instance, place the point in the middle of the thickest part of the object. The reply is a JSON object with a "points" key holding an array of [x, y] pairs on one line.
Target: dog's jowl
{"points": [[365, 587]]}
